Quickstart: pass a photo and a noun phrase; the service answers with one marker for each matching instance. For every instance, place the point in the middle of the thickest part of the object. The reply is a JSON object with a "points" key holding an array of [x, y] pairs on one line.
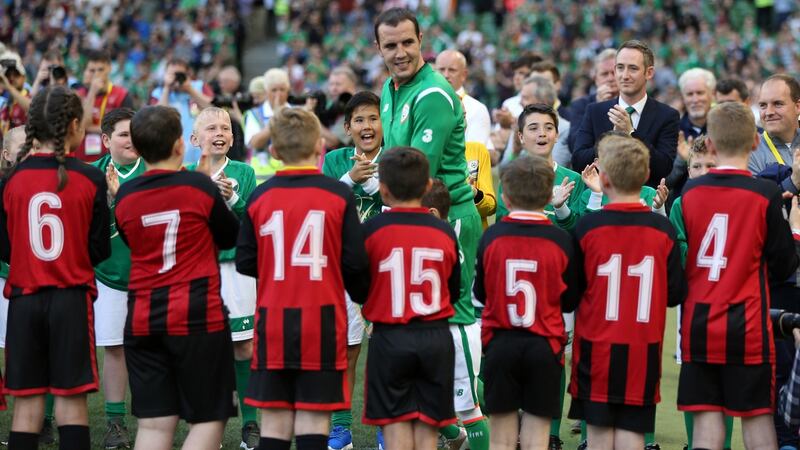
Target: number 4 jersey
{"points": [[174, 223], [302, 239], [53, 238], [632, 270], [737, 240]]}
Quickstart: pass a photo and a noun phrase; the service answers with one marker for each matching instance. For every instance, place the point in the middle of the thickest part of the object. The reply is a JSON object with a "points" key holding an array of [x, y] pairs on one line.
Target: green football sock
{"points": [[450, 431], [555, 425], [115, 410], [478, 434], [249, 413], [649, 438], [583, 430], [49, 405], [479, 382], [688, 420], [343, 418], [728, 431]]}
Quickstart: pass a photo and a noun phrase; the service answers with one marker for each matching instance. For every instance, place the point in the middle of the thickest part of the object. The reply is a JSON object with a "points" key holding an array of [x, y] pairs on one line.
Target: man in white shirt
{"points": [[453, 65]]}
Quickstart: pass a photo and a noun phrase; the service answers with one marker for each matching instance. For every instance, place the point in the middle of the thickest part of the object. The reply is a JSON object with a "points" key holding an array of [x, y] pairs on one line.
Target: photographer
{"points": [[186, 95], [228, 96], [51, 72], [15, 99]]}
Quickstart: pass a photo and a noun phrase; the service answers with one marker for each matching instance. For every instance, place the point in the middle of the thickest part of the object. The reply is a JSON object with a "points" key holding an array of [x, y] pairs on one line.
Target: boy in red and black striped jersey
{"points": [[415, 274], [301, 238], [633, 271], [174, 222], [54, 226], [526, 276], [726, 335]]}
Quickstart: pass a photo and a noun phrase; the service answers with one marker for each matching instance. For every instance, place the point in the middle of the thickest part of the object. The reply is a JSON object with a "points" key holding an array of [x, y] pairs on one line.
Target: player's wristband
{"points": [[562, 212], [347, 180], [478, 196], [595, 201], [371, 186], [232, 201]]}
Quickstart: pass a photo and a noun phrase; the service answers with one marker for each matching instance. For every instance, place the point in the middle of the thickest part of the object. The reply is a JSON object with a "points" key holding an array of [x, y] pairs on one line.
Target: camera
{"points": [[783, 322], [243, 99], [327, 114], [9, 67], [179, 78], [57, 73]]}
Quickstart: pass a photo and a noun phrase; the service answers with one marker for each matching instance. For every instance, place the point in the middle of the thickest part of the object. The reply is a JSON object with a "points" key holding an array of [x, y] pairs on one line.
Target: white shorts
{"points": [[239, 296], [569, 326], [3, 313], [110, 312], [467, 342], [355, 323]]}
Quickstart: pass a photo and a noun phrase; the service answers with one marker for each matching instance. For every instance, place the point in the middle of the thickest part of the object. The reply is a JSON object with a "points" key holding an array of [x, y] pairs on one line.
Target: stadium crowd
{"points": [[599, 101]]}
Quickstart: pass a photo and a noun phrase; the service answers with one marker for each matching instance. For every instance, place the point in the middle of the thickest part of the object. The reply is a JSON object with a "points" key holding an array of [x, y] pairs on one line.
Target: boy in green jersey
{"points": [[356, 167], [538, 134], [213, 134], [120, 164], [420, 109]]}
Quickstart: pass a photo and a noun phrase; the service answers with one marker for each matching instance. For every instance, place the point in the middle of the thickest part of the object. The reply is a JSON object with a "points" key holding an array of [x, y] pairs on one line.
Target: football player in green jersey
{"points": [[420, 109], [120, 164], [213, 134]]}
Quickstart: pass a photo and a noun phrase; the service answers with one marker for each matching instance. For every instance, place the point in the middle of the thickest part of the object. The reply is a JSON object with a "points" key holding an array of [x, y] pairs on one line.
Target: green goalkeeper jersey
{"points": [[676, 218], [573, 202], [368, 200], [114, 271], [425, 113], [244, 183]]}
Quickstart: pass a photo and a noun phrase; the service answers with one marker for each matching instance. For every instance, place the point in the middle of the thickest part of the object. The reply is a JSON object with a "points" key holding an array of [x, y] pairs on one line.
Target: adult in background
{"points": [[732, 90], [257, 131], [185, 94], [99, 95], [14, 97], [605, 88], [342, 84], [420, 109], [227, 92], [779, 106], [51, 71]]}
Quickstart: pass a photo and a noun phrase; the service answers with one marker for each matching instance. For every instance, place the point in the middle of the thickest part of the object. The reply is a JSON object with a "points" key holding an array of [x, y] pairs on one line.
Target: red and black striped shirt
{"points": [[737, 240], [302, 239], [174, 223], [632, 270]]}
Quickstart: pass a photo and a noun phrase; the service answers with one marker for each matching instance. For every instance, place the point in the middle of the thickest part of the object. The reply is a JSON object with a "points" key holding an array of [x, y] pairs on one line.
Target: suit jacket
{"points": [[658, 129], [575, 112]]}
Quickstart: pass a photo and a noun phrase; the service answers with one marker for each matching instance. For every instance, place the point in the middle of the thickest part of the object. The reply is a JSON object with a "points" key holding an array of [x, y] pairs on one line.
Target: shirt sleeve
{"points": [[433, 123], [100, 227], [223, 223], [479, 287], [247, 248], [676, 218], [355, 263], [488, 203]]}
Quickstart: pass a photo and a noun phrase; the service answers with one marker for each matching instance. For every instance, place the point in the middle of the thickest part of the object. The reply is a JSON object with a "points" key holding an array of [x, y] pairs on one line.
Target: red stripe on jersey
{"points": [[140, 310], [178, 310], [215, 309]]}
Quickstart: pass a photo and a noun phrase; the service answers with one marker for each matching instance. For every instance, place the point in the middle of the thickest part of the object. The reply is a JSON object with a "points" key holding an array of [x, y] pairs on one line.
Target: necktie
{"points": [[630, 110]]}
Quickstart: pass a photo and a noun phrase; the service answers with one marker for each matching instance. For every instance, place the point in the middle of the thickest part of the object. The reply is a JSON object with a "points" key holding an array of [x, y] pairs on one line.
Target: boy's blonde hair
{"points": [[731, 128], [210, 111], [699, 147], [295, 134], [626, 161]]}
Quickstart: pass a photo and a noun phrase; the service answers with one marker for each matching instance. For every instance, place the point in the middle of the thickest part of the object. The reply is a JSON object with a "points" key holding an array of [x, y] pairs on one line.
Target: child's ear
{"points": [[347, 129], [605, 182], [106, 140], [194, 140], [179, 148], [435, 213], [504, 197], [274, 153]]}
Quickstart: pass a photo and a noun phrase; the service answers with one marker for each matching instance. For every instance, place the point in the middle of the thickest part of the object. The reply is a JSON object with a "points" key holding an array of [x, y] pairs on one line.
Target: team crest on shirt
{"points": [[386, 107], [404, 114]]}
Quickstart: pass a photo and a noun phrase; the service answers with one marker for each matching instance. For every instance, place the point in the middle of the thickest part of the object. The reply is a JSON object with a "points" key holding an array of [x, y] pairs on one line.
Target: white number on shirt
{"points": [[394, 264], [38, 221], [717, 232], [171, 219], [514, 286], [613, 270], [312, 233]]}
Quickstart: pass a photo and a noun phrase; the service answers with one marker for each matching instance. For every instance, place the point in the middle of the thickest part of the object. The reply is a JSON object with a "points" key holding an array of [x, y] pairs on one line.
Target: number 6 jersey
{"points": [[52, 238], [174, 223]]}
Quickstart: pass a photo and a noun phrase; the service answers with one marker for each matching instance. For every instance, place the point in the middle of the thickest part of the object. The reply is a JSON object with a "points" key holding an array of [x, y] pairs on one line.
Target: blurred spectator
{"points": [[732, 90], [15, 97], [697, 87], [185, 94], [453, 65], [779, 103], [257, 130], [51, 71], [228, 93], [605, 88], [342, 84]]}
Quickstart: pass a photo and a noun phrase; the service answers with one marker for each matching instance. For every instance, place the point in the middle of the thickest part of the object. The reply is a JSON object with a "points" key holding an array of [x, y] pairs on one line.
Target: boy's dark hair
{"points": [[404, 171], [50, 113], [113, 117], [362, 98], [154, 131], [547, 66], [438, 197], [394, 17], [97, 56], [536, 108], [528, 182], [647, 53], [728, 85]]}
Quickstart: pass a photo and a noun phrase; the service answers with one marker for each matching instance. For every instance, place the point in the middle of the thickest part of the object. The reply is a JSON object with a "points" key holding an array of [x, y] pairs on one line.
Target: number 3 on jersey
{"points": [[312, 232]]}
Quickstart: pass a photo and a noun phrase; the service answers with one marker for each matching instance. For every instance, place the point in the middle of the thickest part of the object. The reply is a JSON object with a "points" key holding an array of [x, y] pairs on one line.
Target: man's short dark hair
{"points": [[97, 56], [53, 55], [647, 52], [404, 171], [528, 182], [527, 59], [438, 197], [790, 81], [547, 66], [536, 108], [362, 98], [154, 131], [178, 62], [727, 85], [113, 117], [393, 17]]}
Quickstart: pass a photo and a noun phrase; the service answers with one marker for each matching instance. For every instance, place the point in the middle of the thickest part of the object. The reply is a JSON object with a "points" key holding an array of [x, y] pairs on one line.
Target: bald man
{"points": [[453, 65]]}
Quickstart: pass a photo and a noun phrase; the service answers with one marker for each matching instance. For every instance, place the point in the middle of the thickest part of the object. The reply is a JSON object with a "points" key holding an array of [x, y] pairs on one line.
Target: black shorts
{"points": [[50, 343], [410, 374], [735, 389], [312, 390], [522, 372], [188, 376], [639, 419]]}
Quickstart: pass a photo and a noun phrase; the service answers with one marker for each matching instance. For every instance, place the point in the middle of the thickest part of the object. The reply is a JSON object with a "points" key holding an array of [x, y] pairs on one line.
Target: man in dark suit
{"points": [[646, 119]]}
